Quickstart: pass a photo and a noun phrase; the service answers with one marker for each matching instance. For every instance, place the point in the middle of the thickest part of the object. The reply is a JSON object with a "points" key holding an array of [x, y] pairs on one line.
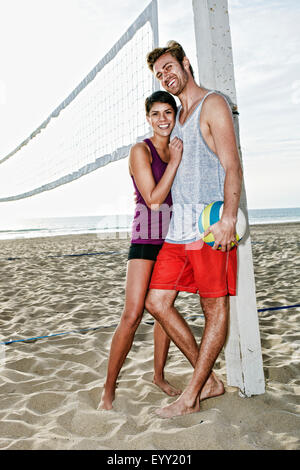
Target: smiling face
{"points": [[161, 118], [172, 76]]}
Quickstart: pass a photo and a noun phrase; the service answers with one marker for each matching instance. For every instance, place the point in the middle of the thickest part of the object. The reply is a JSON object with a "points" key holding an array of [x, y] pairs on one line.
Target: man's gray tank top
{"points": [[199, 179]]}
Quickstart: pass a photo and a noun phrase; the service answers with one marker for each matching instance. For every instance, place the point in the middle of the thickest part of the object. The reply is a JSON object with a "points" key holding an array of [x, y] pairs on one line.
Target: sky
{"points": [[49, 46]]}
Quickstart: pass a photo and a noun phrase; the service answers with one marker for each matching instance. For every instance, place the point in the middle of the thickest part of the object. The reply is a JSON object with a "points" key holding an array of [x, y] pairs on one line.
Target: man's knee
{"points": [[154, 303], [158, 302], [218, 306], [151, 303]]}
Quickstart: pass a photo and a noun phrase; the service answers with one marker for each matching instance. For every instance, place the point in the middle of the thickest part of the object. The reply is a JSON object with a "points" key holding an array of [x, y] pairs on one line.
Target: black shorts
{"points": [[143, 251]]}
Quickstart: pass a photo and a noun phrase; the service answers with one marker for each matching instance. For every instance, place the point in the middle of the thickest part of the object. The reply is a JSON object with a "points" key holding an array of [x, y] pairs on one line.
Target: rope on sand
{"points": [[11, 258], [72, 255], [82, 330], [278, 308]]}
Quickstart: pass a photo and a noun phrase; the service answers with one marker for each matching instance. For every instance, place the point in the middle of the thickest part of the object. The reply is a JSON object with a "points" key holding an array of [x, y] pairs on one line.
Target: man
{"points": [[210, 170]]}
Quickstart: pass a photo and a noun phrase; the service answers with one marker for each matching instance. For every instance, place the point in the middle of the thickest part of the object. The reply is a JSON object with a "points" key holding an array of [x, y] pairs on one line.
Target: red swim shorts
{"points": [[195, 267]]}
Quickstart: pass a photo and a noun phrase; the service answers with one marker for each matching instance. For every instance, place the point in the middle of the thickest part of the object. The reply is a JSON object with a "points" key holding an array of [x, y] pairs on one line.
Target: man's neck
{"points": [[190, 95]]}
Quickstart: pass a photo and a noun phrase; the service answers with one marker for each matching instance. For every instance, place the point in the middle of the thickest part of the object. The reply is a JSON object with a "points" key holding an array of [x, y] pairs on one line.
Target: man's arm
{"points": [[219, 119]]}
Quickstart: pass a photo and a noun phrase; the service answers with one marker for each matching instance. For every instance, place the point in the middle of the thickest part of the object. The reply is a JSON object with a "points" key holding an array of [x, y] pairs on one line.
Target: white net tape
{"points": [[95, 125]]}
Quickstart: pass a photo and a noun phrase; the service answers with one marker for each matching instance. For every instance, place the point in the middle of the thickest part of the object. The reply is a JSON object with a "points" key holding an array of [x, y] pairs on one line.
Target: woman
{"points": [[152, 165]]}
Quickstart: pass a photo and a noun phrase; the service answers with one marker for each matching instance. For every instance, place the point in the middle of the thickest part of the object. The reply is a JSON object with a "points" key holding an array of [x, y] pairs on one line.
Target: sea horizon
{"points": [[53, 226]]}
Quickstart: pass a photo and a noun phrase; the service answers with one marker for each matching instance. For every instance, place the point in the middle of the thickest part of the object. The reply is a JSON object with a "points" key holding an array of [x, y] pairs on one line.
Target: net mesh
{"points": [[95, 125]]}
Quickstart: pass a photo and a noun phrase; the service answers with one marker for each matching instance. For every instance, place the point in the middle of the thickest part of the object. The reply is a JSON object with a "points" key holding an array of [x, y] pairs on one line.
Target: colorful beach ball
{"points": [[211, 214]]}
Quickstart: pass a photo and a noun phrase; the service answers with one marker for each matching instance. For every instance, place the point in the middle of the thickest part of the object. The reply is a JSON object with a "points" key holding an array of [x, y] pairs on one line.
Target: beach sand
{"points": [[50, 388]]}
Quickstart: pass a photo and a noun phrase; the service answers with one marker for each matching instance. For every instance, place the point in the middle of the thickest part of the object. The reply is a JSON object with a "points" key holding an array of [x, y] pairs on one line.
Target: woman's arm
{"points": [[140, 166]]}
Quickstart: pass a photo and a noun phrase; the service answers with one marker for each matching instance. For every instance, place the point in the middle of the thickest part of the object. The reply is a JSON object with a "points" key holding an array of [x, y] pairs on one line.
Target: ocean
{"points": [[42, 227]]}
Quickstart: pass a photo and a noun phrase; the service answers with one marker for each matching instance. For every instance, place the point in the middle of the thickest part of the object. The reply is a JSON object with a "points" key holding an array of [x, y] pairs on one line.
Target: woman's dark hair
{"points": [[160, 97]]}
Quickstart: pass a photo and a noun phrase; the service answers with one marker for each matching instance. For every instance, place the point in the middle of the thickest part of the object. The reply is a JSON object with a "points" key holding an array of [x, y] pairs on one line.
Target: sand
{"points": [[50, 388]]}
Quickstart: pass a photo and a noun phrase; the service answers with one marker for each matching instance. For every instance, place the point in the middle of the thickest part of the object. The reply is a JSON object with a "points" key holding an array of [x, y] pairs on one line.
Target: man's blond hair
{"points": [[172, 47]]}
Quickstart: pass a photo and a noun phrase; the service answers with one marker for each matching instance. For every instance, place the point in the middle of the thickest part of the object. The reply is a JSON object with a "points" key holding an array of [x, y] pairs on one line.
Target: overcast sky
{"points": [[48, 46]]}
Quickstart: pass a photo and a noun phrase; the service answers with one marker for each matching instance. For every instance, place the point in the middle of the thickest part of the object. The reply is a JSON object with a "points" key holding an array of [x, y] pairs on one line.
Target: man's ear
{"points": [[186, 63]]}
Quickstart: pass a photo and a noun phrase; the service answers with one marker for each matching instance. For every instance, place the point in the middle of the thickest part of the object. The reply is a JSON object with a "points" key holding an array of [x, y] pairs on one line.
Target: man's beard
{"points": [[181, 84]]}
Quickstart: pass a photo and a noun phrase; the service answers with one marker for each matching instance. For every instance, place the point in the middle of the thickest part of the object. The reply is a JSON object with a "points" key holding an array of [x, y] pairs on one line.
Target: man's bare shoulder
{"points": [[216, 107], [215, 102]]}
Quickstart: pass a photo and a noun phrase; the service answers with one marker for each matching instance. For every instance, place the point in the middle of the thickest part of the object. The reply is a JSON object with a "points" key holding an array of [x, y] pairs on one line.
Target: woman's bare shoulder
{"points": [[140, 150], [139, 154], [140, 147]]}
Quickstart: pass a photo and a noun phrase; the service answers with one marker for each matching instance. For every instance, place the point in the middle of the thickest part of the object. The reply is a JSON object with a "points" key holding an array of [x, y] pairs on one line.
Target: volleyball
{"points": [[211, 214]]}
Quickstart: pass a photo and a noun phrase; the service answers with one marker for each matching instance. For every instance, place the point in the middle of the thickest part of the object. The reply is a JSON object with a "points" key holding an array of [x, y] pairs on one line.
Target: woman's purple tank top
{"points": [[151, 226]]}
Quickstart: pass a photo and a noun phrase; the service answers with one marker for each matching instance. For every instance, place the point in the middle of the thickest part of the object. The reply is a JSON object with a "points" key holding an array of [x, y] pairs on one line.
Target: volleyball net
{"points": [[95, 125]]}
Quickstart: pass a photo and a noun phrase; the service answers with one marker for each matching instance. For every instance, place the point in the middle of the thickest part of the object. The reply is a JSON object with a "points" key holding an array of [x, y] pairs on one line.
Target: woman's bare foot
{"points": [[166, 387], [107, 399], [212, 388], [179, 407]]}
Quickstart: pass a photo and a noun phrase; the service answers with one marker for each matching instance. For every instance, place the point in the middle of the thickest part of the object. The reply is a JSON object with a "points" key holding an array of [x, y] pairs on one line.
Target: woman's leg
{"points": [[161, 348], [137, 281]]}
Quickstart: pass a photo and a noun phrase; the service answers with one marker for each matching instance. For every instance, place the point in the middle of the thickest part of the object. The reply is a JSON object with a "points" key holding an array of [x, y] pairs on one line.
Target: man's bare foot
{"points": [[179, 407], [212, 388], [106, 401], [166, 387]]}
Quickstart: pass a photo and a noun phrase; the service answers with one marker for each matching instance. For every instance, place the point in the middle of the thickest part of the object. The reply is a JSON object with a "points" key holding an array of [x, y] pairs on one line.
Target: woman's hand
{"points": [[176, 149]]}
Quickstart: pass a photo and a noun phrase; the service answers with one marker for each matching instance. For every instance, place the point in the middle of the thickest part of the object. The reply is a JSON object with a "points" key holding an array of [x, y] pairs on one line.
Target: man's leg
{"points": [[160, 304], [216, 312]]}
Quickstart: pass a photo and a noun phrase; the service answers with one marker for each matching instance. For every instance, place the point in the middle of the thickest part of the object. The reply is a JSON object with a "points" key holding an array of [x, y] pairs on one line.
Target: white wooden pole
{"points": [[215, 61]]}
